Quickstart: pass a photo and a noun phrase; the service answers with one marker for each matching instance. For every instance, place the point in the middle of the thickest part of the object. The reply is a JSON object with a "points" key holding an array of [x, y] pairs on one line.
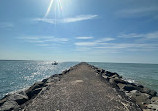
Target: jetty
{"points": [[82, 88]]}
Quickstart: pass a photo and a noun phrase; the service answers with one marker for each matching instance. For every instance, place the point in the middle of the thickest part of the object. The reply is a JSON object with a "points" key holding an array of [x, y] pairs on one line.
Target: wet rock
{"points": [[8, 106]]}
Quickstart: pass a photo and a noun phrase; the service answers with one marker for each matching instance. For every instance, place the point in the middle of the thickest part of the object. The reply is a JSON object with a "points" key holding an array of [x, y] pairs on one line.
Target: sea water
{"points": [[17, 75], [145, 74]]}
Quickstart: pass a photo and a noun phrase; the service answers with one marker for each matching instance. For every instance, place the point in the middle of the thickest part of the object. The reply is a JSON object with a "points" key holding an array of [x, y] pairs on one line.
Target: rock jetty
{"points": [[82, 87]]}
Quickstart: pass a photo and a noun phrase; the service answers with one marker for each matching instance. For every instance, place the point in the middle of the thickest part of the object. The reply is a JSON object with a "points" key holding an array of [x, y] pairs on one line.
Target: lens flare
{"points": [[57, 8], [49, 8]]}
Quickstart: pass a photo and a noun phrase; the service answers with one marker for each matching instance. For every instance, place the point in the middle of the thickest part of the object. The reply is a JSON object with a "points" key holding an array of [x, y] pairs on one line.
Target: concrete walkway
{"points": [[81, 89]]}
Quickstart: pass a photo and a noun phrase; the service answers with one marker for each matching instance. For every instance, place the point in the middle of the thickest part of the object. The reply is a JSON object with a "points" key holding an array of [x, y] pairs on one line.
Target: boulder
{"points": [[2, 101], [19, 98], [107, 73], [148, 91], [34, 90], [129, 88], [153, 107], [9, 106], [112, 81], [45, 80], [121, 86], [140, 98], [105, 77], [66, 71], [154, 100], [100, 71], [120, 81]]}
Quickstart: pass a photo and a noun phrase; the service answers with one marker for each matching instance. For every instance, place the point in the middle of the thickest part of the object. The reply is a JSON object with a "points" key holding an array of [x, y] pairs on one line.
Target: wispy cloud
{"points": [[94, 43], [84, 38], [44, 41], [66, 20], [151, 35], [138, 12], [127, 45], [6, 25], [79, 18]]}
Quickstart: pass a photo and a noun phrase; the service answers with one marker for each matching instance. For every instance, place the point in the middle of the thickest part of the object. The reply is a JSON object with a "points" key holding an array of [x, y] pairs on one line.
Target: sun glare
{"points": [[57, 5]]}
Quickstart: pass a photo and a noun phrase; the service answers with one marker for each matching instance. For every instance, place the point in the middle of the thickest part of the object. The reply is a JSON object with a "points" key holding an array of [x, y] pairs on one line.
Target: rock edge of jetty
{"points": [[145, 98]]}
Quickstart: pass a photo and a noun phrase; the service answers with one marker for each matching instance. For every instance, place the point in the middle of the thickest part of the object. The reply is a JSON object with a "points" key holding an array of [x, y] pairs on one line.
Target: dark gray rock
{"points": [[110, 73], [148, 91], [33, 93], [140, 98], [100, 71], [121, 86], [2, 101], [129, 87], [120, 81], [20, 99], [35, 89], [9, 106], [105, 77]]}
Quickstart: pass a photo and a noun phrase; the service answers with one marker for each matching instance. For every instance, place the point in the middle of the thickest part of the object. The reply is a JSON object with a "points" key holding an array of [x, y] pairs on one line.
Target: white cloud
{"points": [[79, 18], [66, 20], [84, 38], [44, 41], [86, 43], [94, 43], [151, 35], [131, 35], [127, 46]]}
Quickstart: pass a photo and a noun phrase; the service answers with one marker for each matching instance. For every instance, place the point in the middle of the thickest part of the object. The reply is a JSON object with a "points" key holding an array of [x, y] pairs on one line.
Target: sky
{"points": [[123, 31]]}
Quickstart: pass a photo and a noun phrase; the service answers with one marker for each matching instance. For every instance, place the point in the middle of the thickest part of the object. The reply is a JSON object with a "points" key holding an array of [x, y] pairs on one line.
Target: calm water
{"points": [[16, 75], [145, 74]]}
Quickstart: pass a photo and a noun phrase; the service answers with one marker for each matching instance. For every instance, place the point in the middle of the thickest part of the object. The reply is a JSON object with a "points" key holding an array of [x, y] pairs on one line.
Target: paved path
{"points": [[80, 90]]}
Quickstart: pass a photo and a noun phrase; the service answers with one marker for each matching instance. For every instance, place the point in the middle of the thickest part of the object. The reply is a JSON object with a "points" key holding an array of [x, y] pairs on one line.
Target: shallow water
{"points": [[16, 75]]}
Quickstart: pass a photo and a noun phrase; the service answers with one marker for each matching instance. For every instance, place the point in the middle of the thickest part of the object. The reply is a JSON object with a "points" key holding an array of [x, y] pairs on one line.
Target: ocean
{"points": [[18, 75]]}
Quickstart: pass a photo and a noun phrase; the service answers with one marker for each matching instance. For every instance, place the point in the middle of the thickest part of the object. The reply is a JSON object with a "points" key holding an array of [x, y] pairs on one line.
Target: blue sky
{"points": [[79, 30]]}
